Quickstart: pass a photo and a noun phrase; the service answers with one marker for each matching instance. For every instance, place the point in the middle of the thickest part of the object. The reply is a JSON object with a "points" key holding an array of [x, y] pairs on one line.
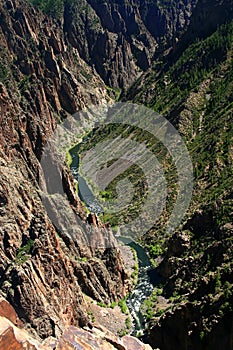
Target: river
{"points": [[144, 286], [84, 192]]}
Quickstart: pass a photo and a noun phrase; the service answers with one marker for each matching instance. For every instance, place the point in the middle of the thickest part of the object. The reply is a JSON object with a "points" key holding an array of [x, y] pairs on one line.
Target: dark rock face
{"points": [[183, 329], [200, 274], [205, 20], [120, 39]]}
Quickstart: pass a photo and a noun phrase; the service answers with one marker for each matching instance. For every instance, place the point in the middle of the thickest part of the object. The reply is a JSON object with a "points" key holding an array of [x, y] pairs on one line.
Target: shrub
{"points": [[123, 306]]}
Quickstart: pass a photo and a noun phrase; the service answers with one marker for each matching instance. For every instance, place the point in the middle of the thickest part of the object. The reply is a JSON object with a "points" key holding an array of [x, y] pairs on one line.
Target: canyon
{"points": [[175, 58]]}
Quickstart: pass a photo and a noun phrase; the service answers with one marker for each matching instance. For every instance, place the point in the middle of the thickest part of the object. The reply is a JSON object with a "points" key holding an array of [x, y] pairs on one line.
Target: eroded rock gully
{"points": [[120, 39]]}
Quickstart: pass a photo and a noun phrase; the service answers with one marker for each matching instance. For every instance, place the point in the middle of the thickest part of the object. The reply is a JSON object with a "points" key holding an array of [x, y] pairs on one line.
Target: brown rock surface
{"points": [[7, 311], [134, 343], [44, 271], [97, 339], [13, 338]]}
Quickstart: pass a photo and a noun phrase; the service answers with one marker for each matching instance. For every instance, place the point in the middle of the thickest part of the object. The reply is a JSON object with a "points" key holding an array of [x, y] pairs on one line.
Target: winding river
{"points": [[144, 286]]}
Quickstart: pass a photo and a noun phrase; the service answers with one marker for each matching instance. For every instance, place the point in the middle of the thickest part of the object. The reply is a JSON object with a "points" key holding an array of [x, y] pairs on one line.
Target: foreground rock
{"points": [[99, 339], [13, 338], [96, 338]]}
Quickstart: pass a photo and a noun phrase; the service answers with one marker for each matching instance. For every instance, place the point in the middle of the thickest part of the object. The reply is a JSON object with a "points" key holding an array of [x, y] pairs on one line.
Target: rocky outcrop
{"points": [[95, 338], [197, 283], [98, 338], [203, 19], [206, 18], [7, 311], [13, 338]]}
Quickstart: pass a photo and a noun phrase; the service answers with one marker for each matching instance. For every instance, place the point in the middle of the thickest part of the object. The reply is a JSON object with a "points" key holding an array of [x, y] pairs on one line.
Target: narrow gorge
{"points": [[66, 279]]}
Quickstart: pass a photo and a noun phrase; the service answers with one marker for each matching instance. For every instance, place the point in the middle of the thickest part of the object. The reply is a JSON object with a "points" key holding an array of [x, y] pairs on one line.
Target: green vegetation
{"points": [[165, 4], [122, 332], [134, 274], [24, 252], [99, 303], [24, 84], [3, 72], [114, 93], [134, 173], [6, 69], [195, 93], [83, 259], [128, 323], [113, 304], [90, 314], [194, 65], [51, 7], [154, 250], [121, 303], [148, 308], [68, 159], [123, 306]]}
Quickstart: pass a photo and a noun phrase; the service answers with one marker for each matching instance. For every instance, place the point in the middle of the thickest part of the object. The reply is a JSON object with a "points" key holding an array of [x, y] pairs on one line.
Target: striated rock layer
{"points": [[43, 271]]}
